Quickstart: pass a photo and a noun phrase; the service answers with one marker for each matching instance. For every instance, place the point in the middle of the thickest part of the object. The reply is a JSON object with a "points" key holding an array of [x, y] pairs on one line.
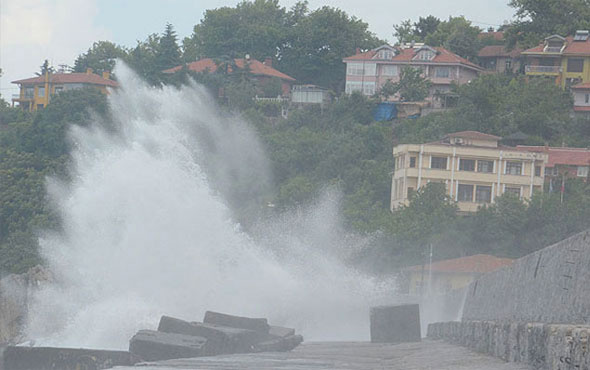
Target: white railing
{"points": [[542, 69]]}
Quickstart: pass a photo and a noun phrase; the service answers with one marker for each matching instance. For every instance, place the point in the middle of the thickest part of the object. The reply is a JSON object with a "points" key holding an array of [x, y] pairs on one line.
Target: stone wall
{"points": [[542, 346], [551, 285]]}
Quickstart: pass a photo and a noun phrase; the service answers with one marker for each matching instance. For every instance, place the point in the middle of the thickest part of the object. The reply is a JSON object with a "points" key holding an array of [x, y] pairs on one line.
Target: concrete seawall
{"points": [[551, 285], [542, 346]]}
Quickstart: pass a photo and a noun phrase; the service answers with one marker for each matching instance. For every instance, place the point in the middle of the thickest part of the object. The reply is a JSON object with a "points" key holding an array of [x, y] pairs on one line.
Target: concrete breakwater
{"points": [[542, 346]]}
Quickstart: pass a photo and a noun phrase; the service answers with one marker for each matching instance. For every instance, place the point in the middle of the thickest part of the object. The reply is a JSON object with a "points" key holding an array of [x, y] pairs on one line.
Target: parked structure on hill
{"points": [[473, 166], [563, 163], [36, 92], [444, 276], [367, 72], [566, 59], [260, 72]]}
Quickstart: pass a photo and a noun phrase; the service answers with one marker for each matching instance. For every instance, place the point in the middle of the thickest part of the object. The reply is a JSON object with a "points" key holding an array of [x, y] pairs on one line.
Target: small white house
{"points": [[581, 94]]}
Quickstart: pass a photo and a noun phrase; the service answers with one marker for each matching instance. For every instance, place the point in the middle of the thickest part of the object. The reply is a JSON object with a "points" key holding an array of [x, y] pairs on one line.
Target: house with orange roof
{"points": [[581, 94], [444, 276], [261, 72], [367, 71], [566, 59], [36, 92], [473, 166], [563, 163]]}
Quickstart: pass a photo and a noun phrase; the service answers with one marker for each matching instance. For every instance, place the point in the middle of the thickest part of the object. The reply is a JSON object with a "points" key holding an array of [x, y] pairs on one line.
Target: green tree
{"points": [[143, 59], [458, 35], [404, 32], [537, 19], [101, 57], [412, 86], [168, 51], [426, 26], [45, 68]]}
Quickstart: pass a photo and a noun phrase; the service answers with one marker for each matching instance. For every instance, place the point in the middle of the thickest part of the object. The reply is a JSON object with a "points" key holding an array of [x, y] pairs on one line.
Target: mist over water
{"points": [[149, 230]]}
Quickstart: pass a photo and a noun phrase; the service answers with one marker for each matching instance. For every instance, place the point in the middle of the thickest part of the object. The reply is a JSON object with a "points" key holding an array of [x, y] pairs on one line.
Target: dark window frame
{"points": [[466, 164]]}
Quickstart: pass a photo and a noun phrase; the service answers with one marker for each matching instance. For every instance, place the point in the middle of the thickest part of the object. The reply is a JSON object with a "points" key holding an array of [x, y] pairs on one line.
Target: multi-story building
{"points": [[581, 94], [473, 166], [367, 72], [36, 92], [566, 59]]}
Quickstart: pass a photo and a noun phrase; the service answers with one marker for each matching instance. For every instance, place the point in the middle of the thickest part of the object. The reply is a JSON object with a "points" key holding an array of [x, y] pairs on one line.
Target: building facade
{"points": [[581, 93], [367, 72], [563, 163], [35, 93], [473, 166], [565, 59], [495, 58]]}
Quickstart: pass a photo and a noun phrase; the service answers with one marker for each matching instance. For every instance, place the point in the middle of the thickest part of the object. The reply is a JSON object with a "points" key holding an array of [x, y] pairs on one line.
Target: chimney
{"points": [[106, 75], [268, 62], [247, 57], [88, 71]]}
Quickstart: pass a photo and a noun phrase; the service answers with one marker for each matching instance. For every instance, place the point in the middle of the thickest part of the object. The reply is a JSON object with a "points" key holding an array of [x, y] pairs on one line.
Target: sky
{"points": [[59, 30]]}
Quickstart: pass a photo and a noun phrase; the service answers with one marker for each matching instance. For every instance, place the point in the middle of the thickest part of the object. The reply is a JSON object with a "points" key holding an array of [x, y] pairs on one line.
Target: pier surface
{"points": [[426, 355]]}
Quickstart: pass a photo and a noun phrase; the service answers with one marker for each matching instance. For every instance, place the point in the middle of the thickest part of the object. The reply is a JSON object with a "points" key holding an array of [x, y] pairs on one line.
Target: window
{"points": [[467, 164], [389, 70], [425, 55], [537, 170], [514, 168], [575, 65], [58, 89], [353, 86], [39, 106], [410, 191], [438, 162], [508, 65], [442, 72], [41, 91], [512, 190], [465, 193], [412, 162], [29, 93], [385, 54], [485, 166], [355, 69], [483, 194], [369, 88], [587, 98], [370, 69], [582, 171]]}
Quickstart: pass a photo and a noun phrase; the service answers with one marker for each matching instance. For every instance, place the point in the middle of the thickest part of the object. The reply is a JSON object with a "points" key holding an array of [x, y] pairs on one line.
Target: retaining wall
{"points": [[551, 285]]}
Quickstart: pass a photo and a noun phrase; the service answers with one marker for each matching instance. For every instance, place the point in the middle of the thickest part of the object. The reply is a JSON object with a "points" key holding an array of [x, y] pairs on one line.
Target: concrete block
{"points": [[221, 339], [48, 358], [282, 344], [395, 324], [239, 322], [278, 331], [152, 345]]}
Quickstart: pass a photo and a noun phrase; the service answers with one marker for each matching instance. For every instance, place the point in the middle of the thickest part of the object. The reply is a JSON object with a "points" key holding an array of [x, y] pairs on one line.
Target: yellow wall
{"points": [[405, 178], [441, 282], [49, 93]]}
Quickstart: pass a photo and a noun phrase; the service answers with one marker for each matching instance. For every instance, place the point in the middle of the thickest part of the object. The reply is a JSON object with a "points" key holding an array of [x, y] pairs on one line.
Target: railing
{"points": [[278, 99], [542, 69], [15, 96]]}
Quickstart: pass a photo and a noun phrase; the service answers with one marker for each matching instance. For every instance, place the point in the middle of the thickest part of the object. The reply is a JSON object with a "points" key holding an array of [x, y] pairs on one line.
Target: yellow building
{"points": [[472, 165], [444, 276], [567, 59], [36, 92]]}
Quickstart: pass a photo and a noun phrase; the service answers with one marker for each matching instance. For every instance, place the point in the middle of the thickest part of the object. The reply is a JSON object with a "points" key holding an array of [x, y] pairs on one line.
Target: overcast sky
{"points": [[60, 30]]}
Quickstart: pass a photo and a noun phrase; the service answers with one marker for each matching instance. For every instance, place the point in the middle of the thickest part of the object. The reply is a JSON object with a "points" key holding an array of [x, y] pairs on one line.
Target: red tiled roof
{"points": [[561, 156], [406, 55], [256, 68], [473, 135], [497, 35], [583, 86], [69, 78], [572, 47], [479, 263], [498, 51], [581, 109]]}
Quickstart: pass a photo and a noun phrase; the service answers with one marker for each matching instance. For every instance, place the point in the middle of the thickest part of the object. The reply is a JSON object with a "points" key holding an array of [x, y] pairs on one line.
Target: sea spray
{"points": [[148, 230]]}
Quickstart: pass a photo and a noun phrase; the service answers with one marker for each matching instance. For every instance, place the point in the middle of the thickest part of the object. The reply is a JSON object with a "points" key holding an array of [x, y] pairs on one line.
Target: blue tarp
{"points": [[385, 112]]}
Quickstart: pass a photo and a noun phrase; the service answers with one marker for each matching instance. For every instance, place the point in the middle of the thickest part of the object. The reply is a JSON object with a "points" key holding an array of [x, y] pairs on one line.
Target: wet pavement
{"points": [[427, 355]]}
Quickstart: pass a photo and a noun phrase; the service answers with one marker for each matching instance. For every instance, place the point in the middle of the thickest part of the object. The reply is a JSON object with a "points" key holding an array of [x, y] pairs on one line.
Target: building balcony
{"points": [[17, 97], [544, 70]]}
